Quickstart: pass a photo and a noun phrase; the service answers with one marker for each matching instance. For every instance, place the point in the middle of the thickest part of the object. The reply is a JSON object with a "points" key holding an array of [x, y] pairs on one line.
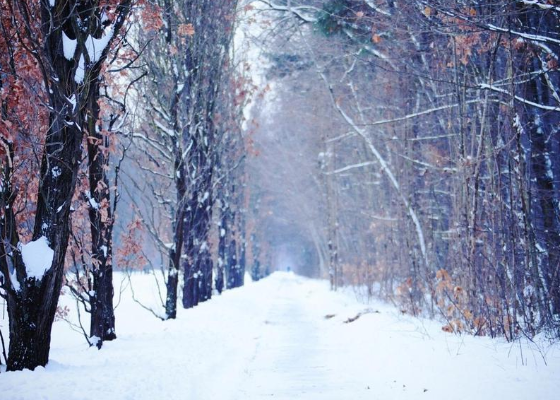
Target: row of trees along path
{"points": [[71, 75]]}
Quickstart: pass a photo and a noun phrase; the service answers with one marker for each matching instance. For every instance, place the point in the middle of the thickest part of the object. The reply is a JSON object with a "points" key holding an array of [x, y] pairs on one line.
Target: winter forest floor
{"points": [[272, 339]]}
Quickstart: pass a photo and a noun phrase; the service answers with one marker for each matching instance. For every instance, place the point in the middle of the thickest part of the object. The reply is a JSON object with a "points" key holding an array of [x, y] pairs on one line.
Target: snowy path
{"points": [[291, 359], [271, 340]]}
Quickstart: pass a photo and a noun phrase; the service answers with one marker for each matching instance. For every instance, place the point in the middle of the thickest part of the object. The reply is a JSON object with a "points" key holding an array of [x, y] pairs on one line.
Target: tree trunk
{"points": [[222, 254], [32, 308], [541, 128], [101, 224], [233, 269], [171, 288], [178, 231], [102, 312]]}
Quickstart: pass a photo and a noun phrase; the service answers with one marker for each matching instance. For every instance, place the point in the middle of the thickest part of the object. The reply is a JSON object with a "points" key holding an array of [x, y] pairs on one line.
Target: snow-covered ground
{"points": [[272, 339]]}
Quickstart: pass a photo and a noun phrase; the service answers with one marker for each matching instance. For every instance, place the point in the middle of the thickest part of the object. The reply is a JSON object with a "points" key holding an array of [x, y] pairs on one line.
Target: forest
{"points": [[406, 151]]}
